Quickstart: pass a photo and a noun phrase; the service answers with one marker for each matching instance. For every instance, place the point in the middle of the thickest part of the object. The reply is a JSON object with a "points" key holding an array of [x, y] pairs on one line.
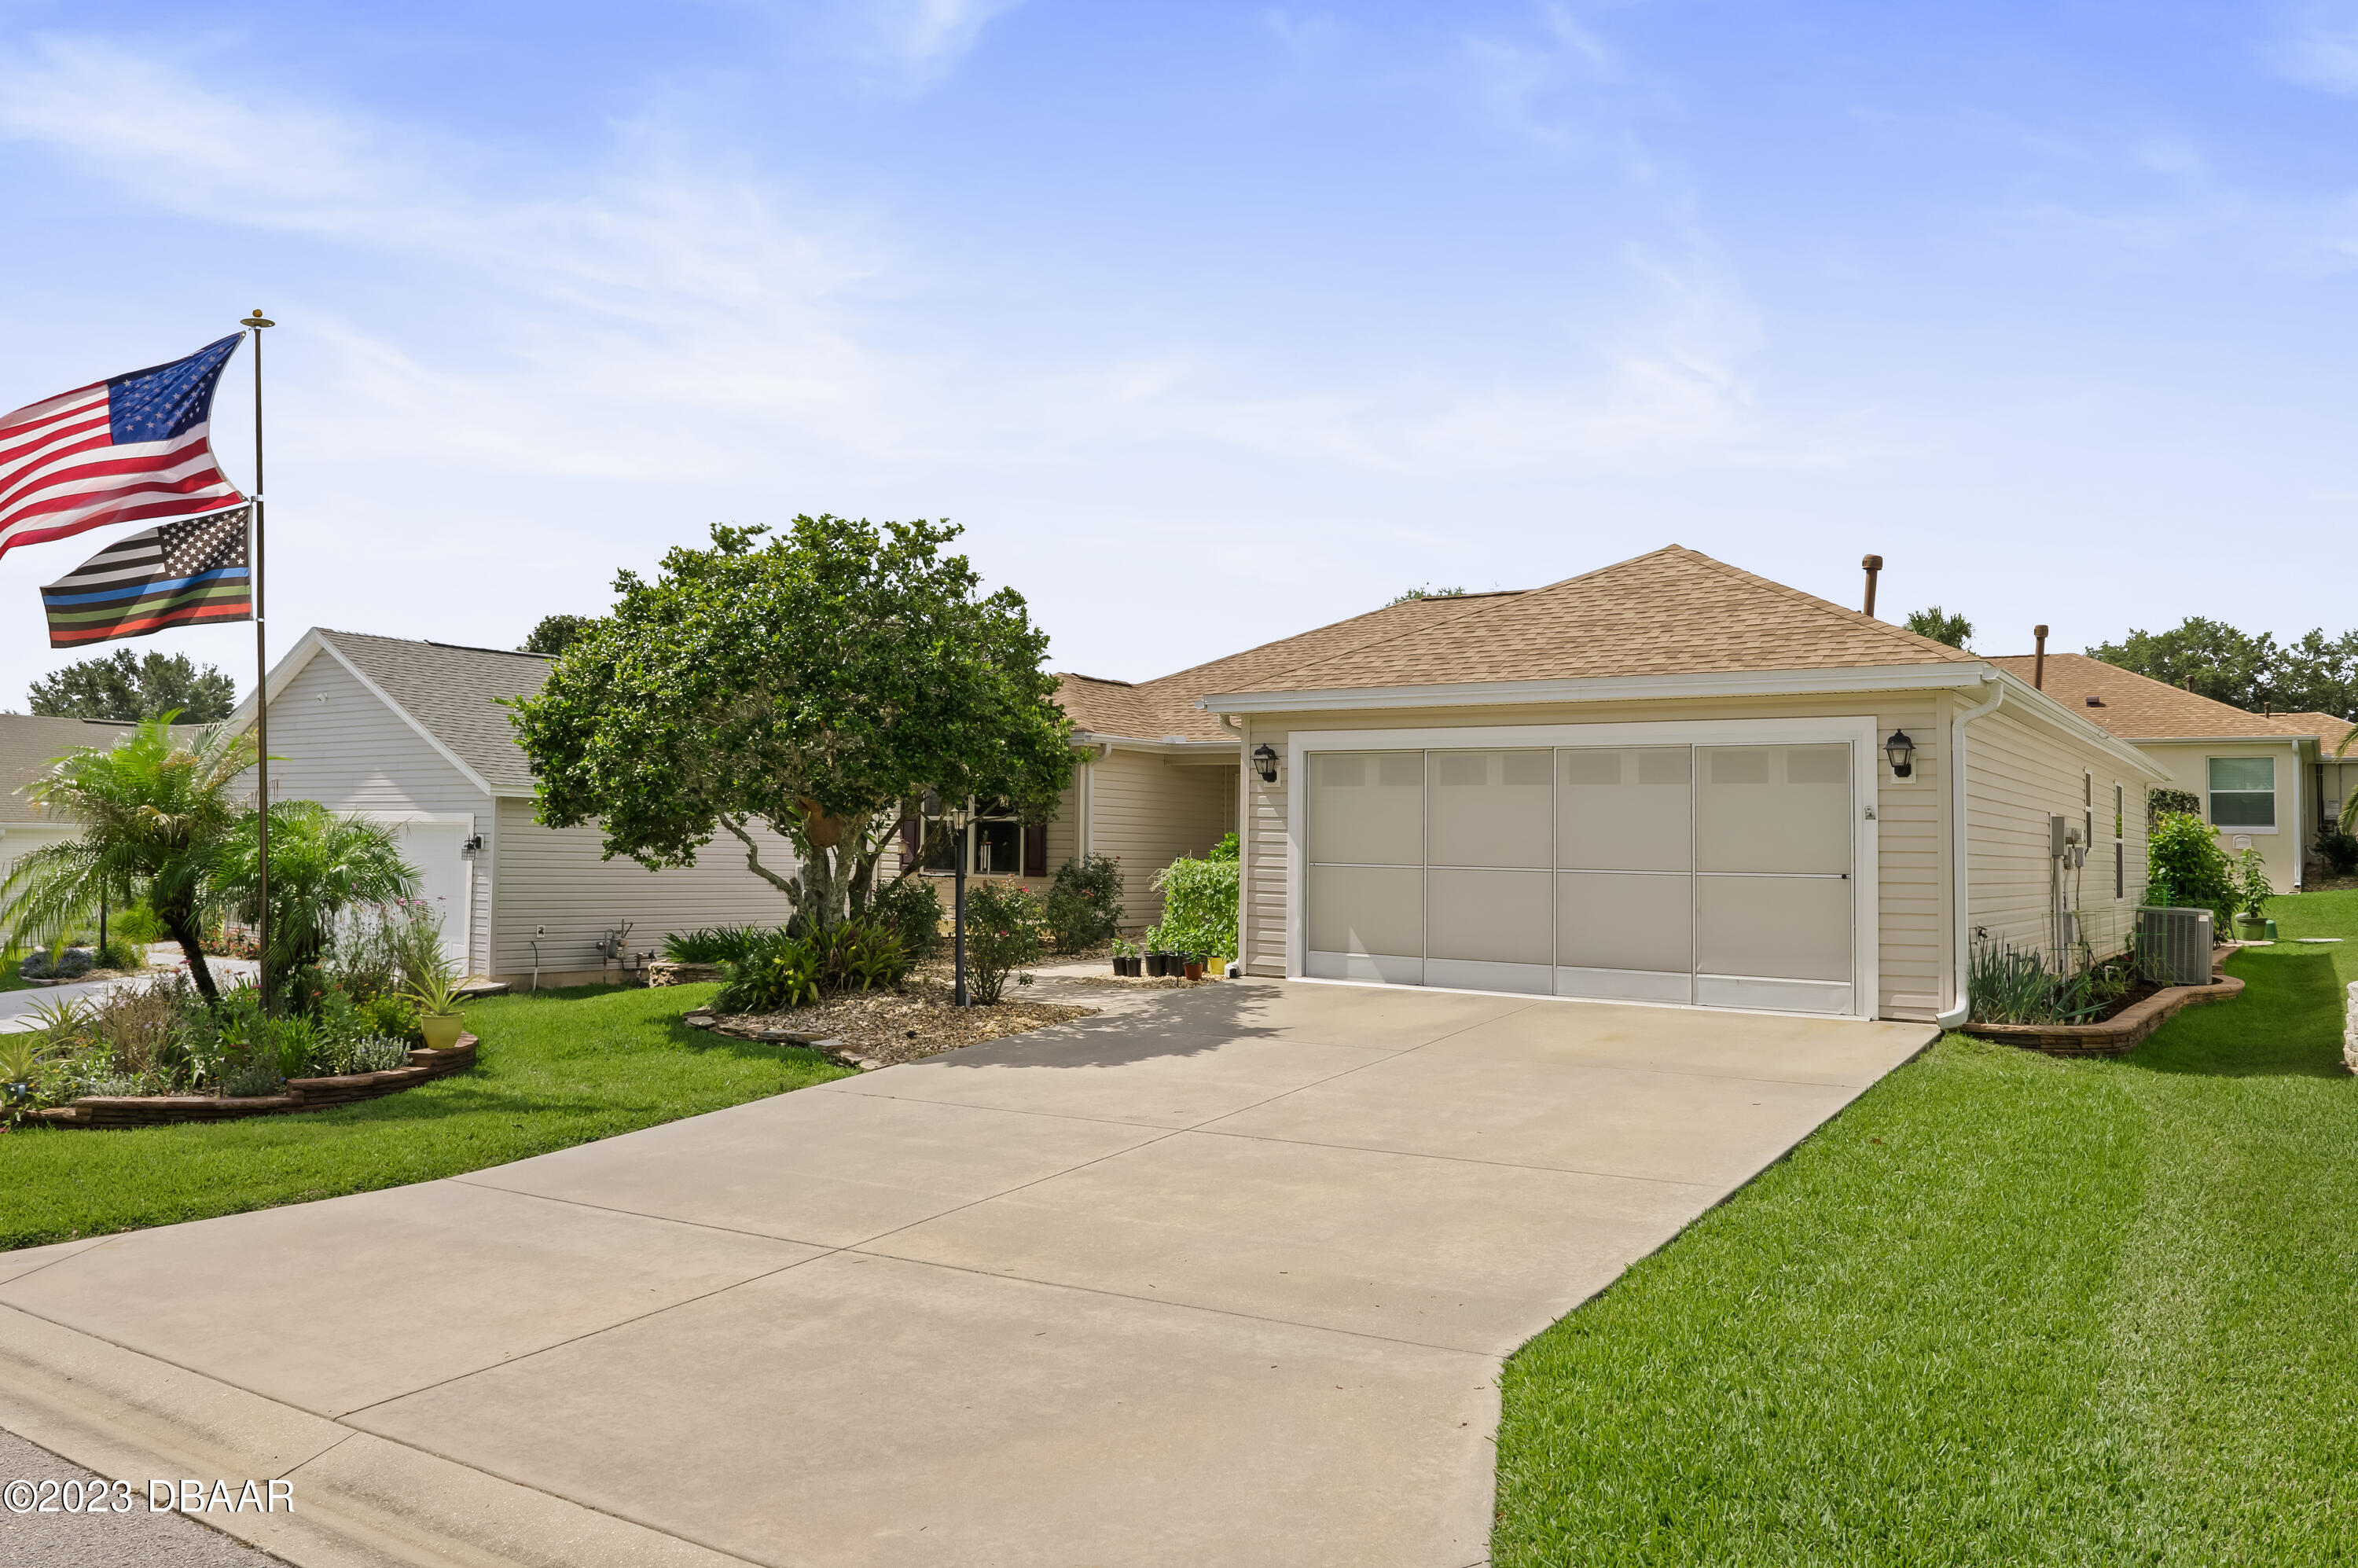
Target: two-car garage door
{"points": [[1710, 874]]}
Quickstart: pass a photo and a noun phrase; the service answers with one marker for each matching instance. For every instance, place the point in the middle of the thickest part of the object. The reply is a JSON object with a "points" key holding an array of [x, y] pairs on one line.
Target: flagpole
{"points": [[255, 324]]}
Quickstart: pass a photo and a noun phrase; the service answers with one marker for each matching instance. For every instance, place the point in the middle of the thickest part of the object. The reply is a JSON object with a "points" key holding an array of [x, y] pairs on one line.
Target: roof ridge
{"points": [[1857, 617]]}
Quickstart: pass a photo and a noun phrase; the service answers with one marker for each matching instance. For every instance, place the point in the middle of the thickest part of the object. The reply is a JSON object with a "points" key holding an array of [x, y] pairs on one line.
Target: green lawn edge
{"points": [[2003, 1309], [556, 1069]]}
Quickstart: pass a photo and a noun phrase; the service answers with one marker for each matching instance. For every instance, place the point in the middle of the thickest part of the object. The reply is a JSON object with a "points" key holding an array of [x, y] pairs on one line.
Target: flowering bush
{"points": [[1084, 905], [1005, 928]]}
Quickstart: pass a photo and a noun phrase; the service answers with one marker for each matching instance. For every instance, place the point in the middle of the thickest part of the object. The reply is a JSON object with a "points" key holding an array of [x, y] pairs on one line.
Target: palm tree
{"points": [[321, 865], [154, 812]]}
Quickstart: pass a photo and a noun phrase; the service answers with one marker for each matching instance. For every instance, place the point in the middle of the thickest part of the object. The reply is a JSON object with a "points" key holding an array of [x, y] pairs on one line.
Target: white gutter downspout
{"points": [[1962, 957], [1089, 825]]}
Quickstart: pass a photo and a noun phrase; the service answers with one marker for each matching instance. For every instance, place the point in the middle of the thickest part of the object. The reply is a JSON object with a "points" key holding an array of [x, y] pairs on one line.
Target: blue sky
{"points": [[1210, 322]]}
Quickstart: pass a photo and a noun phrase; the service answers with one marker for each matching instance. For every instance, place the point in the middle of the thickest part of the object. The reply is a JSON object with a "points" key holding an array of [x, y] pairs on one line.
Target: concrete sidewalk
{"points": [[1224, 1275]]}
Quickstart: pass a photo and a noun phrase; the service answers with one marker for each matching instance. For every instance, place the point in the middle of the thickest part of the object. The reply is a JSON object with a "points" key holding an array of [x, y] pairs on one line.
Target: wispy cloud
{"points": [[2317, 46]]}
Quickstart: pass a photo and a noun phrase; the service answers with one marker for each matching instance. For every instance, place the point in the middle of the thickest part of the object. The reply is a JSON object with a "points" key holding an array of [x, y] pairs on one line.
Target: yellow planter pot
{"points": [[442, 1029]]}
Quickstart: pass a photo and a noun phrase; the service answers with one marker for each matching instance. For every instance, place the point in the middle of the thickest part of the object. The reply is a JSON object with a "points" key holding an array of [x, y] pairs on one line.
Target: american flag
{"points": [[134, 448]]}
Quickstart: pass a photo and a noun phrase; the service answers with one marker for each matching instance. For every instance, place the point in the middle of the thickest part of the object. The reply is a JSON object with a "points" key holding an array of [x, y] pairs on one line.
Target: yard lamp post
{"points": [[954, 820]]}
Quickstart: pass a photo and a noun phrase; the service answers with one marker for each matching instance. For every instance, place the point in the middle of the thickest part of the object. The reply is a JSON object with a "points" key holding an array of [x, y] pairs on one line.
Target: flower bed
{"points": [[2125, 1030], [101, 1111], [865, 1028]]}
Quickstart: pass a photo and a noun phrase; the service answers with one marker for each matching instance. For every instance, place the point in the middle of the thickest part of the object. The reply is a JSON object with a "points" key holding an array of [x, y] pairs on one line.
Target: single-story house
{"points": [[412, 733], [2264, 780], [1666, 781], [28, 745]]}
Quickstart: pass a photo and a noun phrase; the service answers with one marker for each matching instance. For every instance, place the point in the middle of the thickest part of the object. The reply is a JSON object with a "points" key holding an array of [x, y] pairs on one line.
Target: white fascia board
{"points": [[1166, 748], [2025, 699], [1613, 688], [309, 648]]}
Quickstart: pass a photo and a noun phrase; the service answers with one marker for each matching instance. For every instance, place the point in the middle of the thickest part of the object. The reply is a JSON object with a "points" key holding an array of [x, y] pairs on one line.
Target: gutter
{"points": [[1959, 879]]}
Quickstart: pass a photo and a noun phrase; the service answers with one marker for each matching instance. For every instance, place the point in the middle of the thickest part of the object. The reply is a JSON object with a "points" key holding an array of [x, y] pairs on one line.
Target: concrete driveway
{"points": [[1220, 1276]]}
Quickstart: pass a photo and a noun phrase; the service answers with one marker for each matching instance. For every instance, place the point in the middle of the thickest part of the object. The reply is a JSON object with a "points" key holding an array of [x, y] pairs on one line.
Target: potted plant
{"points": [[2253, 892], [1193, 965], [438, 1017]]}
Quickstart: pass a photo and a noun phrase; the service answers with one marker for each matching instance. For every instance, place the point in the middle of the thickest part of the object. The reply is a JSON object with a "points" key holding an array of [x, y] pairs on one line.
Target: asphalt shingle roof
{"points": [[1150, 710], [1674, 611], [452, 693], [29, 743], [2139, 708]]}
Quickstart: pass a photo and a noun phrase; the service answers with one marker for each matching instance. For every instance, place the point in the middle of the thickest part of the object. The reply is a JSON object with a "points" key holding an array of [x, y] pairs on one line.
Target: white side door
{"points": [[446, 878]]}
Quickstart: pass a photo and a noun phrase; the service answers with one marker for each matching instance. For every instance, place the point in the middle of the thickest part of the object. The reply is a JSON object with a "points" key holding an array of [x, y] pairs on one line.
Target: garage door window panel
{"points": [[1773, 809], [1492, 917], [1367, 808], [1487, 808], [1621, 920], [1625, 808]]}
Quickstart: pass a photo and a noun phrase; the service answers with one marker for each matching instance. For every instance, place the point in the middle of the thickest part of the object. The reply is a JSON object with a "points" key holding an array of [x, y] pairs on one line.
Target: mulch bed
{"points": [[2124, 1027], [876, 1029]]}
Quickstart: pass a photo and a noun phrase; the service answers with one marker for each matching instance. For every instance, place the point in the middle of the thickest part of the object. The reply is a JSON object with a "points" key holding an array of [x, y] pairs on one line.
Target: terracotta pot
{"points": [[1194, 970], [441, 1029]]}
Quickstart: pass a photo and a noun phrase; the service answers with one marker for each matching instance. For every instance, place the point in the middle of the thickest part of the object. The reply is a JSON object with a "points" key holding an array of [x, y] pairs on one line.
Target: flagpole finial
{"points": [[258, 319]]}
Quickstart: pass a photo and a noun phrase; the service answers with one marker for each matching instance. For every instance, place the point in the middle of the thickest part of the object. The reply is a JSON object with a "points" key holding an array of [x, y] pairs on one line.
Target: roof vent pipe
{"points": [[2039, 659], [1873, 563]]}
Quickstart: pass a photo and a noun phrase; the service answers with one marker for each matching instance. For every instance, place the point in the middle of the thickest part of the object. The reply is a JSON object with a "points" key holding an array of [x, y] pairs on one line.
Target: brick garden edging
{"points": [[2125, 1030], [98, 1111]]}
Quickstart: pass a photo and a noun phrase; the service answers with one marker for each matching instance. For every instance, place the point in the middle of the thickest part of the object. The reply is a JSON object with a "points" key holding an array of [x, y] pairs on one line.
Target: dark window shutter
{"points": [[912, 841], [1035, 849]]}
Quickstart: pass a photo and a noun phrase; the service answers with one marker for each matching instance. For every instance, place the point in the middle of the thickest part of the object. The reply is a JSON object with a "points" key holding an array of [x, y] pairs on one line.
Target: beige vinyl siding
{"points": [[332, 740], [1262, 891], [20, 838], [2189, 769], [1912, 890], [1147, 810], [553, 877], [2021, 773]]}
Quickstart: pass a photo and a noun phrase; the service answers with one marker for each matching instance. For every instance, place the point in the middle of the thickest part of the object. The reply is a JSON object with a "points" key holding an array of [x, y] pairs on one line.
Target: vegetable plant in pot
{"points": [[438, 1017], [1195, 968]]}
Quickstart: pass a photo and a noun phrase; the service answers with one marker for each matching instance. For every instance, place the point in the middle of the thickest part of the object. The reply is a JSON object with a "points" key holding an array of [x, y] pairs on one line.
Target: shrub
{"points": [[1006, 928], [2186, 870], [2338, 849], [1199, 904], [119, 953], [914, 910], [390, 1014], [136, 926], [714, 944], [2161, 803], [1084, 906], [779, 973]]}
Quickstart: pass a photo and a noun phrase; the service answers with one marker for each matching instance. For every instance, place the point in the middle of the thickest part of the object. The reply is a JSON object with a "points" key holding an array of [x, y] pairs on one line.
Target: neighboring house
{"points": [[412, 733], [28, 745], [2260, 777], [2335, 775], [1662, 780]]}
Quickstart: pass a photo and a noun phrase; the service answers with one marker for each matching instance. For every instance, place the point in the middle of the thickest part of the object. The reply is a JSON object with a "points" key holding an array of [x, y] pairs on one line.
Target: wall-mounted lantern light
{"points": [[472, 847], [1902, 752], [1264, 761]]}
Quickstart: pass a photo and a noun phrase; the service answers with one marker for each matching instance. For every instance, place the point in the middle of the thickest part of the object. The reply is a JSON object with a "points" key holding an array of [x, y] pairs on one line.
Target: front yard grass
{"points": [[559, 1068], [2004, 1309]]}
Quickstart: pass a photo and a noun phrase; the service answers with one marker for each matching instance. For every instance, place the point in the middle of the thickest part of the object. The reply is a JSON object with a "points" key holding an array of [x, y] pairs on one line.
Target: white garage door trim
{"points": [[1859, 730]]}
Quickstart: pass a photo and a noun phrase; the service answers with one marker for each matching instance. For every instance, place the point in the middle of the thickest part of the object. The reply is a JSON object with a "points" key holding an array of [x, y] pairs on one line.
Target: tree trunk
{"points": [[182, 924]]}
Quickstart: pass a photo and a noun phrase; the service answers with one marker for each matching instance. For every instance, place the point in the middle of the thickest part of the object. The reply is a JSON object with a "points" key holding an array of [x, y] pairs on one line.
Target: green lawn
{"points": [[2003, 1310], [559, 1068]]}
